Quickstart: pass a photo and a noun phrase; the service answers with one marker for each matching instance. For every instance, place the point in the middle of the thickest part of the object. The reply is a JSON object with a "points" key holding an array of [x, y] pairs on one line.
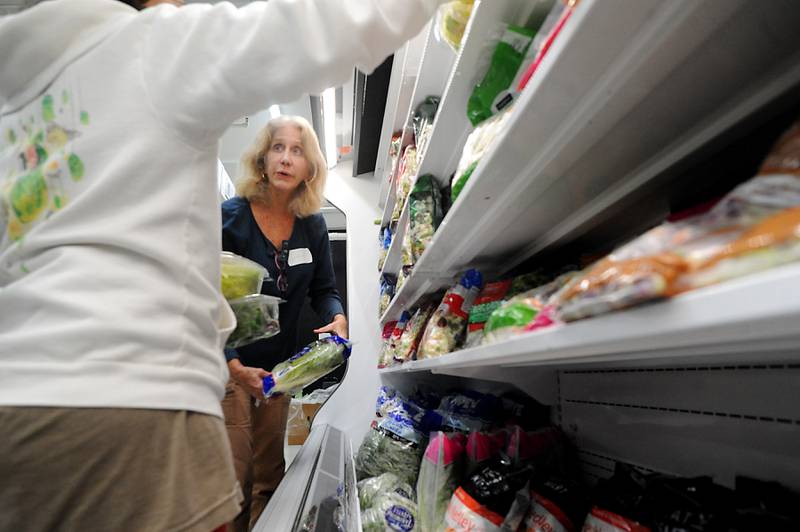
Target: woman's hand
{"points": [[251, 379], [338, 326]]}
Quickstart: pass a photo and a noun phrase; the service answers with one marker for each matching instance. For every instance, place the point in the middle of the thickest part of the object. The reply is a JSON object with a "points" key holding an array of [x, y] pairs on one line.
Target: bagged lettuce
{"points": [[477, 144], [387, 293], [489, 299], [388, 329], [483, 447], [406, 348], [422, 119], [468, 410], [483, 501], [425, 215], [370, 489], [407, 170], [447, 327], [314, 361], [396, 441], [556, 505], [439, 476], [391, 513], [749, 229], [491, 95], [451, 21]]}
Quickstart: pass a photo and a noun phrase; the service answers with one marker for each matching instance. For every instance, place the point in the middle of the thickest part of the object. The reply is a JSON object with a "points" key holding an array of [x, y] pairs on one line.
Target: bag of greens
{"points": [[256, 319], [390, 513], [371, 488], [447, 327], [439, 476], [426, 214], [314, 361], [491, 94]]}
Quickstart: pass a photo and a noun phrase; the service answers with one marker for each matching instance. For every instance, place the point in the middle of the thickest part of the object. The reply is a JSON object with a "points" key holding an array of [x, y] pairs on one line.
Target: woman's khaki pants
{"points": [[257, 435]]}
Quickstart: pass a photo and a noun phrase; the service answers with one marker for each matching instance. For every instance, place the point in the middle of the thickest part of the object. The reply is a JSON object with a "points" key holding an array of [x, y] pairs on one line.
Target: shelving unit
{"points": [[711, 324], [581, 143], [630, 95]]}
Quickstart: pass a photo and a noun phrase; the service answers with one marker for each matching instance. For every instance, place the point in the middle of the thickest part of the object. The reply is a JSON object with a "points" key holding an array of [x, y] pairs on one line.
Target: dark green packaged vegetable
{"points": [[426, 214], [256, 319], [491, 94]]}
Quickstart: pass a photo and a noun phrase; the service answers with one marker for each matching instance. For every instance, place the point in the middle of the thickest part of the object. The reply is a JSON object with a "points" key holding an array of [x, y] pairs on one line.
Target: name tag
{"points": [[300, 256]]}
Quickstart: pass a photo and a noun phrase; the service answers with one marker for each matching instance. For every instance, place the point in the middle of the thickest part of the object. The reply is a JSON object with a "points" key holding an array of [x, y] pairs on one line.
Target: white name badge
{"points": [[300, 256]]}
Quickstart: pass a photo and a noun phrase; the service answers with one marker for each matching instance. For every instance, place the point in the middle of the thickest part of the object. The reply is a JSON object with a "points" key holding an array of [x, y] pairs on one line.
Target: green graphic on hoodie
{"points": [[38, 187]]}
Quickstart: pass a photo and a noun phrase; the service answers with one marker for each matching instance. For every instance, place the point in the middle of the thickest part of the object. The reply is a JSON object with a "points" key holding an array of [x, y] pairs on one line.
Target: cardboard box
{"points": [[299, 421]]}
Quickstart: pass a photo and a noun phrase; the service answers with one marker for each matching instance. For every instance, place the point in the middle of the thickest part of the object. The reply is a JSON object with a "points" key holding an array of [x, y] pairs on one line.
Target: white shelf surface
{"points": [[394, 257], [451, 126], [627, 91], [725, 323]]}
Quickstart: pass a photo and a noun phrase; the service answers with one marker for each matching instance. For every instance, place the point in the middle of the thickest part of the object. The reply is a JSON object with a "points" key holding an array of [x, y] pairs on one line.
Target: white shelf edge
{"points": [[760, 310], [394, 258]]}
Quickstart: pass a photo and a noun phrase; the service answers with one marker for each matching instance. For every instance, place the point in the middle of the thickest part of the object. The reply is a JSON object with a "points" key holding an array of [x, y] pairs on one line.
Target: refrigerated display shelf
{"points": [[720, 324], [581, 142]]}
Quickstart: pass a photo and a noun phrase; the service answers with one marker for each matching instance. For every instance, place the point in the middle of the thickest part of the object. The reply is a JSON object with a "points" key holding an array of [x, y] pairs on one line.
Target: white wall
{"points": [[351, 408]]}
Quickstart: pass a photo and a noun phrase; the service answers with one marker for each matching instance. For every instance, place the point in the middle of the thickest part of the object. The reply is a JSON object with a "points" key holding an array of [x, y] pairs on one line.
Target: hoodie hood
{"points": [[40, 42]]}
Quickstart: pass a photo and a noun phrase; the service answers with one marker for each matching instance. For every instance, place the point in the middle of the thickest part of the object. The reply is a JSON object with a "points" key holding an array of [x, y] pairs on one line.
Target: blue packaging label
{"points": [[399, 518]]}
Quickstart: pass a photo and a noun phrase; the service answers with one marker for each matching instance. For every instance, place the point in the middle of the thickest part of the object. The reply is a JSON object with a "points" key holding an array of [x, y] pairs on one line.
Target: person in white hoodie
{"points": [[111, 318]]}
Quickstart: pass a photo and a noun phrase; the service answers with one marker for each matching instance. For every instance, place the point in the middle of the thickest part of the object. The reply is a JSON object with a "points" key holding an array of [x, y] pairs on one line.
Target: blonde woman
{"points": [[275, 221]]}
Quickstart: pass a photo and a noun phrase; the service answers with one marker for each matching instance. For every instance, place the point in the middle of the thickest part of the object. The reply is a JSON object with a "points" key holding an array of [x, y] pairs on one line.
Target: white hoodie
{"points": [[109, 215]]}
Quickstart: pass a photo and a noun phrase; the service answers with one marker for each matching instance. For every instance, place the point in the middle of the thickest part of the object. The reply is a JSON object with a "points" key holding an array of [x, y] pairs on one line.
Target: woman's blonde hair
{"points": [[252, 184]]}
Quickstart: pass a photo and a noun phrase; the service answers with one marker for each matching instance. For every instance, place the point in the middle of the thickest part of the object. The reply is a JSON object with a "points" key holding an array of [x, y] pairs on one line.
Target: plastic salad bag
{"points": [[388, 329], [240, 276], [384, 242], [387, 292], [406, 348], [451, 21], [489, 299], [439, 476], [389, 352], [552, 26], [468, 410], [256, 319], [482, 502], [402, 277], [447, 327], [556, 505], [391, 512], [396, 441], [618, 502], [407, 248], [370, 488], [423, 118], [425, 215], [314, 361], [483, 447], [476, 146], [515, 315], [490, 95], [407, 171]]}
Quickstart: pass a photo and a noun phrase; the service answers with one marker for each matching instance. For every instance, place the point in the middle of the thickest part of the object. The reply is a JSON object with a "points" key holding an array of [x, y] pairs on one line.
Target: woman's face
{"points": [[286, 163]]}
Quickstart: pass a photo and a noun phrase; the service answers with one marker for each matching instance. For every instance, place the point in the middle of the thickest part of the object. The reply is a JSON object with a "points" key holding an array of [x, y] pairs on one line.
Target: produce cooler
{"points": [[631, 115]]}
